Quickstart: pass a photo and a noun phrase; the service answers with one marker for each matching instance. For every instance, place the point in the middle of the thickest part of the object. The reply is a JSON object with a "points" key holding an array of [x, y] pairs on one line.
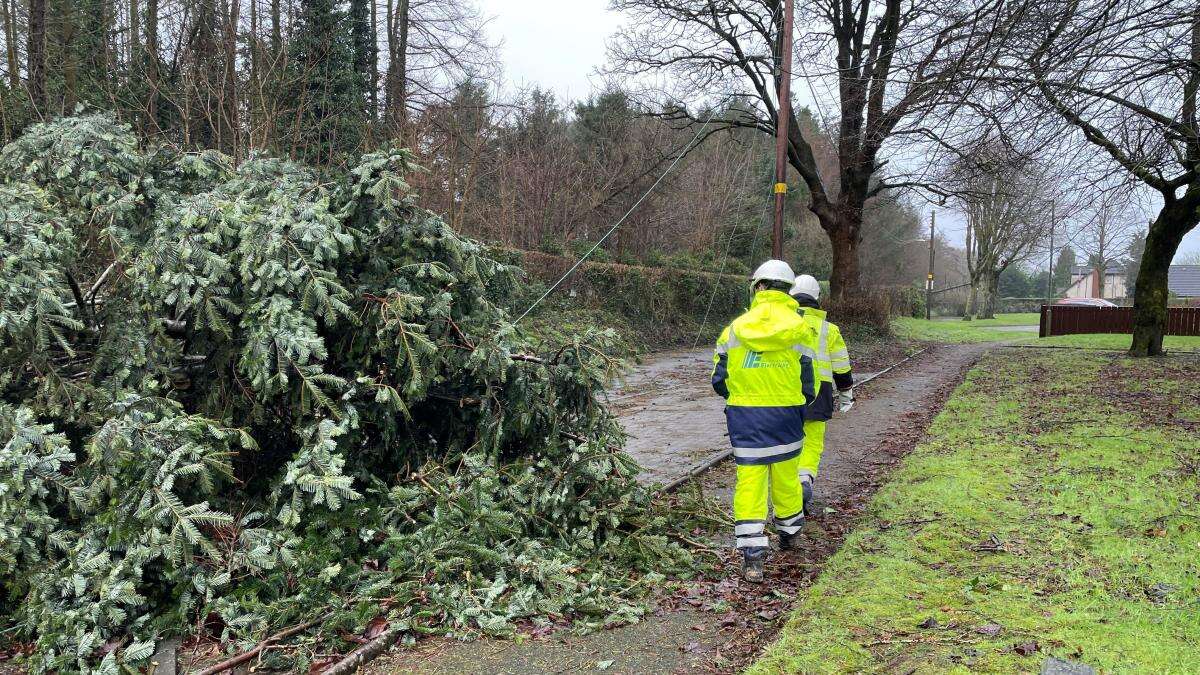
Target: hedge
{"points": [[664, 305]]}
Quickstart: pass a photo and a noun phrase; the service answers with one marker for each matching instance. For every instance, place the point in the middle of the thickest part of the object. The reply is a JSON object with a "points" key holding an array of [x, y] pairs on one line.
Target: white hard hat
{"points": [[806, 284], [773, 270]]}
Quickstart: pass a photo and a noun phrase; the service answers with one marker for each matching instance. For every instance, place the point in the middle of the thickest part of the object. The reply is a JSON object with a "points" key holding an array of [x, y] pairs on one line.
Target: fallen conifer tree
{"points": [[235, 399]]}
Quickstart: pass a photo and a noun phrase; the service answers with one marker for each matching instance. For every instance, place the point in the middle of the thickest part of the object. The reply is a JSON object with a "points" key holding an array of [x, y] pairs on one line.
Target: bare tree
{"points": [[1006, 201], [432, 46], [893, 62], [1124, 75], [396, 22], [1107, 236]]}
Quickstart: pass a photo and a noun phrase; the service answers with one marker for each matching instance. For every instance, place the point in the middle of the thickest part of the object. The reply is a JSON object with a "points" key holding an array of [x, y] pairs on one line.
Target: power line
{"points": [[724, 259], [618, 224]]}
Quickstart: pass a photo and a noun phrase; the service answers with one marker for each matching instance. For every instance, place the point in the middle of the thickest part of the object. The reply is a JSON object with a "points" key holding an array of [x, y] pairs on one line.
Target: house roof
{"points": [[1184, 280], [1112, 270]]}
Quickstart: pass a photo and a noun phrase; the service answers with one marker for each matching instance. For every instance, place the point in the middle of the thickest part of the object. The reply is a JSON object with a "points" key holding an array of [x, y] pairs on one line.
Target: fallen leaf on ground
{"points": [[375, 628], [1026, 648]]}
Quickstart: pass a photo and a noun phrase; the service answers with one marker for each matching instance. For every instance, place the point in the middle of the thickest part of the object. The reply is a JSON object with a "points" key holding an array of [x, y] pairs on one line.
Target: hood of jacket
{"points": [[813, 312], [771, 324]]}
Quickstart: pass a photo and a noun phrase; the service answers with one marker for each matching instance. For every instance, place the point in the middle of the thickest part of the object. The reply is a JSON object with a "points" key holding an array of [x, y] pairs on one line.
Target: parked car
{"points": [[1086, 302]]}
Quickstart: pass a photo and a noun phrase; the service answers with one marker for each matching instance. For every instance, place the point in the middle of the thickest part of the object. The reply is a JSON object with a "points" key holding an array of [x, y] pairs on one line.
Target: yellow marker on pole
{"points": [[780, 188]]}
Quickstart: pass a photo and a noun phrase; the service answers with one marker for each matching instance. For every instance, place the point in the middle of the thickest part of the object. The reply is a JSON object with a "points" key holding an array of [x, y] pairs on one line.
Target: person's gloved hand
{"points": [[845, 400]]}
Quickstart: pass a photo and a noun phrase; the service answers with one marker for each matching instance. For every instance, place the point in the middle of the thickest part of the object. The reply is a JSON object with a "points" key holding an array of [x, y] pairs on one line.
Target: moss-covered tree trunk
{"points": [[989, 286], [1175, 220]]}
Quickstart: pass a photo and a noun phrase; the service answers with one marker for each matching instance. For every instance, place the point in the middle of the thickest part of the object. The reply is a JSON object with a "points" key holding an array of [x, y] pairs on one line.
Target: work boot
{"points": [[752, 567], [789, 542]]}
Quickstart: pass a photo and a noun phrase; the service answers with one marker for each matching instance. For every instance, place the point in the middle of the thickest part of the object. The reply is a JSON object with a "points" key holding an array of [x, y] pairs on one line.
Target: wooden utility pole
{"points": [[783, 113], [929, 276]]}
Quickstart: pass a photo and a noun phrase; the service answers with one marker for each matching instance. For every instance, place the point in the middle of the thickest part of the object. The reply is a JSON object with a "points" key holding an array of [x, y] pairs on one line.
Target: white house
{"points": [[1086, 283], [1183, 281]]}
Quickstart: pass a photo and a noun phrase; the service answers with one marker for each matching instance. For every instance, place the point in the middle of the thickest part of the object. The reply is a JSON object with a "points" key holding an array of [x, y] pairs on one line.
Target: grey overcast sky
{"points": [[559, 44]]}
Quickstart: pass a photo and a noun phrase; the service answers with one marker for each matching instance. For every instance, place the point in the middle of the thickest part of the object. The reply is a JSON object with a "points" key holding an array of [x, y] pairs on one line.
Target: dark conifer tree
{"points": [[323, 94]]}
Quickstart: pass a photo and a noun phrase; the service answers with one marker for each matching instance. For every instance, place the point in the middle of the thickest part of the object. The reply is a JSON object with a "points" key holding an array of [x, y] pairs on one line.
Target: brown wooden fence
{"points": [[1075, 319]]}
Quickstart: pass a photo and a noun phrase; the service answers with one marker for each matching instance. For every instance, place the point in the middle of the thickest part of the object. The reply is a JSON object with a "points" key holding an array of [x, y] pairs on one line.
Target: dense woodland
{"points": [[322, 82], [1079, 99]]}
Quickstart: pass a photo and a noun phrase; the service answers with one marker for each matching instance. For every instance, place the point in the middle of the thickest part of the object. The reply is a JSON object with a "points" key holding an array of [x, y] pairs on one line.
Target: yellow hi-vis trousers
{"points": [[780, 481], [814, 447]]}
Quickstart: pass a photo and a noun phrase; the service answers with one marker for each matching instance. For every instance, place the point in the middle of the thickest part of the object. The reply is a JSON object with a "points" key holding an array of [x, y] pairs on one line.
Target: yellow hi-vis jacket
{"points": [[762, 369], [831, 360]]}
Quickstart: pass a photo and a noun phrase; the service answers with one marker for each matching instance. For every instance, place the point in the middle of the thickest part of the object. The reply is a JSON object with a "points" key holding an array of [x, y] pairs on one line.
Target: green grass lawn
{"points": [[1117, 341], [993, 330], [957, 330], [1054, 510]]}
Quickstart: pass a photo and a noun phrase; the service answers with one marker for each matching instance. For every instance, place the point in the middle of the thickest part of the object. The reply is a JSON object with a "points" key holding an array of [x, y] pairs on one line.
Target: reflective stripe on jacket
{"points": [[762, 368], [831, 360]]}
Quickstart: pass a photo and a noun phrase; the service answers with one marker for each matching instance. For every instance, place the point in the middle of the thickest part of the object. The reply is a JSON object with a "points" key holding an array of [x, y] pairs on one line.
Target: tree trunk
{"points": [[7, 14], [276, 33], [68, 19], [229, 103], [1150, 295], [989, 287], [374, 84], [254, 102], [100, 63], [151, 61], [395, 80], [134, 35], [36, 54], [972, 298], [843, 237]]}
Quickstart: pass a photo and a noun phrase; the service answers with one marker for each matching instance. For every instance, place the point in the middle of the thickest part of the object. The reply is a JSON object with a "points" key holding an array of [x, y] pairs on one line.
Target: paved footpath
{"points": [[674, 422]]}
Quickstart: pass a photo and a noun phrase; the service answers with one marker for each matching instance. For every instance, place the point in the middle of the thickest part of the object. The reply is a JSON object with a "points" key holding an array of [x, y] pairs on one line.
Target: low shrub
{"points": [[552, 245], [871, 308]]}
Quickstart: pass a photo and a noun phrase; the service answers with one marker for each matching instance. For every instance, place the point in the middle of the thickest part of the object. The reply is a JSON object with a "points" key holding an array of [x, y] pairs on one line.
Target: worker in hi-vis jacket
{"points": [[831, 361], [763, 370]]}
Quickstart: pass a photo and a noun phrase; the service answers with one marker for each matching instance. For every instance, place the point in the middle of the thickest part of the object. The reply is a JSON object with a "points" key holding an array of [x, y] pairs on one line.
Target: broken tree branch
{"points": [[231, 663], [355, 659]]}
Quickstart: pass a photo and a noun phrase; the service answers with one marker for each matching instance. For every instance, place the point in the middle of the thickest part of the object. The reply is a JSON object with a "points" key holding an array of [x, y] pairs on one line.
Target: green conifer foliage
{"points": [[324, 86], [240, 398]]}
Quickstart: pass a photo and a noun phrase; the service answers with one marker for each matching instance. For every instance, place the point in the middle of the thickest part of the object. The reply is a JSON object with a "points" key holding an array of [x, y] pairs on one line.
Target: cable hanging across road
{"points": [[721, 272], [636, 204]]}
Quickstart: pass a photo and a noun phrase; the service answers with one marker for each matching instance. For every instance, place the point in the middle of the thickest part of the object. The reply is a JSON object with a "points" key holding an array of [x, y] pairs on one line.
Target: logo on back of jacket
{"points": [[754, 360]]}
